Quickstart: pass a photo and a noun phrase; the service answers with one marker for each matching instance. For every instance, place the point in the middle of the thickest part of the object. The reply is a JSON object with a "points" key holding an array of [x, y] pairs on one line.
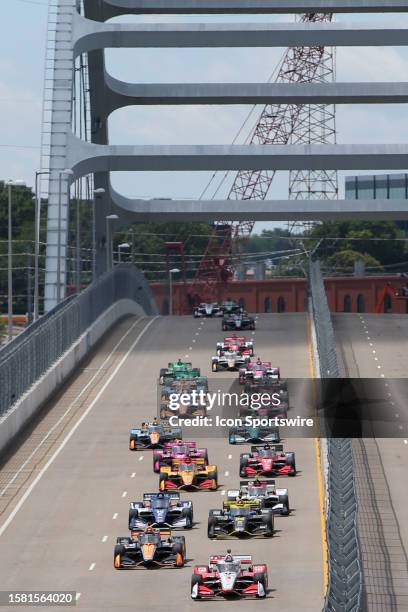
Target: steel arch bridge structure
{"points": [[73, 149]]}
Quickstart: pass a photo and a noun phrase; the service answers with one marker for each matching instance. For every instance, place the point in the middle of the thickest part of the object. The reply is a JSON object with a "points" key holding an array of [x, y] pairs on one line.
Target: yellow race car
{"points": [[189, 474]]}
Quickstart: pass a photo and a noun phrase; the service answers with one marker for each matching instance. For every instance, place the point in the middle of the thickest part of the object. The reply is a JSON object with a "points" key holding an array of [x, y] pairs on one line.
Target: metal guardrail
{"points": [[345, 578], [31, 353], [326, 344]]}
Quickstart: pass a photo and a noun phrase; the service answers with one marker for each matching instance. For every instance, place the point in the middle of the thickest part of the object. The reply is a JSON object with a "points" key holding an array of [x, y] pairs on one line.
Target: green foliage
{"points": [[2, 328], [343, 261]]}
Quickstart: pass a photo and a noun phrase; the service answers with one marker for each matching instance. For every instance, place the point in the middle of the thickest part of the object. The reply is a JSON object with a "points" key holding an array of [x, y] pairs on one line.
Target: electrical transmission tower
{"points": [[277, 124]]}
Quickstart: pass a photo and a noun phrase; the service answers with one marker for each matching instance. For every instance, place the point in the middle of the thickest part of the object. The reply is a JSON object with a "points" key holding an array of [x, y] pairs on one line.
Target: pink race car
{"points": [[236, 344], [257, 371], [179, 450]]}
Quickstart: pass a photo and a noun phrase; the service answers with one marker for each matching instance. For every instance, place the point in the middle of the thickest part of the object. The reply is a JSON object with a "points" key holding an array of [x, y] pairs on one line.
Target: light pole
{"points": [[124, 245], [109, 241], [37, 223], [171, 272], [10, 261], [96, 192], [67, 172]]}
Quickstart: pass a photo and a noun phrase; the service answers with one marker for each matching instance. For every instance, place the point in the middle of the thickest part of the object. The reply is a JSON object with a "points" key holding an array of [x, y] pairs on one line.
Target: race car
{"points": [[256, 371], [229, 360], [185, 384], [188, 475], [153, 435], [229, 306], [238, 344], [254, 435], [208, 309], [149, 548], [178, 369], [241, 320], [179, 451], [265, 492], [267, 460], [229, 575], [271, 381], [161, 510], [241, 518]]}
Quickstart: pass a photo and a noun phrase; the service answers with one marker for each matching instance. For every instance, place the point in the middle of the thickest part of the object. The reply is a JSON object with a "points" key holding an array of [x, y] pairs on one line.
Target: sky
{"points": [[22, 49]]}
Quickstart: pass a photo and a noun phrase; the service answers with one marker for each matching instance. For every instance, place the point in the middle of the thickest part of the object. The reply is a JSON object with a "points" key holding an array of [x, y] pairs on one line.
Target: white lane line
{"points": [[223, 492], [374, 352], [124, 493], [74, 428], [397, 415], [141, 457], [92, 567], [386, 384], [186, 355], [193, 340], [400, 427], [379, 367], [229, 456], [226, 473], [104, 538], [371, 344], [77, 596], [190, 348], [375, 358], [133, 474], [68, 410], [197, 333], [405, 441], [115, 516], [382, 375], [368, 338]]}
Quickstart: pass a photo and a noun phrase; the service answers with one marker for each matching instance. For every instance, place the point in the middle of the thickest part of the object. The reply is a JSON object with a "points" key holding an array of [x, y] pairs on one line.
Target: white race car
{"points": [[229, 360], [208, 309]]}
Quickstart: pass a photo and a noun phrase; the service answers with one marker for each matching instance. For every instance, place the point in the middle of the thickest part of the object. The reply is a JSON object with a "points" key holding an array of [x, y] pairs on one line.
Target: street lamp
{"points": [[109, 241], [124, 245], [10, 260], [96, 192], [67, 172], [37, 223], [171, 272]]}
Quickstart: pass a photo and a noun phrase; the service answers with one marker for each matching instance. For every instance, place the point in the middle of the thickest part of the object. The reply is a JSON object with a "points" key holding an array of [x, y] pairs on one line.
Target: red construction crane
{"points": [[277, 124]]}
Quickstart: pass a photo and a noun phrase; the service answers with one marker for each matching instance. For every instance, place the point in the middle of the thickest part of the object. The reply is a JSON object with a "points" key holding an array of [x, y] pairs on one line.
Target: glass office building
{"points": [[377, 187]]}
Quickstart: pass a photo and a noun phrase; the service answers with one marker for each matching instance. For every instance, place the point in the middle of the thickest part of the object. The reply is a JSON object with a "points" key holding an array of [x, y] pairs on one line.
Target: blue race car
{"points": [[161, 510], [153, 435]]}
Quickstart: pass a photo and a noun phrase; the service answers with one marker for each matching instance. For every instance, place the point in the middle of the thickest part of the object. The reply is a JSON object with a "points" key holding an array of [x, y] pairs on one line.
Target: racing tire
{"points": [[261, 578], [162, 481], [284, 500], [196, 579], [132, 444], [179, 551], [269, 522], [117, 556], [243, 462], [156, 463], [133, 514], [292, 462], [187, 513], [211, 528], [214, 477], [232, 439], [215, 366]]}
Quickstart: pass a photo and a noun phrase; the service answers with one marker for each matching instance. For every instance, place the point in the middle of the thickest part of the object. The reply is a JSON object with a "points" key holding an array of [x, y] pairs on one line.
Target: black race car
{"points": [[241, 519], [238, 321], [161, 510], [150, 548]]}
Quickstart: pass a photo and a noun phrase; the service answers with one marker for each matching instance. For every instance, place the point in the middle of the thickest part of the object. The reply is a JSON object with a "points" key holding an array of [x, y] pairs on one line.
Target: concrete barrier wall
{"points": [[29, 405]]}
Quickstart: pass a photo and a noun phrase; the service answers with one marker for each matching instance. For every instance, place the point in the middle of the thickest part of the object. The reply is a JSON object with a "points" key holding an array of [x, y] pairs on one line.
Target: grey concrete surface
{"points": [[375, 346], [13, 422], [119, 7], [63, 534]]}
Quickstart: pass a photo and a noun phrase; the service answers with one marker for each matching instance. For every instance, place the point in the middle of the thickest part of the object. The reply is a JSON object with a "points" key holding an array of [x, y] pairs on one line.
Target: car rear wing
{"points": [[243, 559], [248, 483], [168, 495], [277, 448], [195, 460]]}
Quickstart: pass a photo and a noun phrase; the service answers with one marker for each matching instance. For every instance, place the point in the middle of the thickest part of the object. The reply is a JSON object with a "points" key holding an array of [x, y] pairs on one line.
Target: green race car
{"points": [[178, 369]]}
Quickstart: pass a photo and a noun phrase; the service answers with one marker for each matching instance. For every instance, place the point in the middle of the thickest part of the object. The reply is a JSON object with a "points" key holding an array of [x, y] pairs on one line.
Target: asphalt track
{"points": [[375, 346], [64, 500]]}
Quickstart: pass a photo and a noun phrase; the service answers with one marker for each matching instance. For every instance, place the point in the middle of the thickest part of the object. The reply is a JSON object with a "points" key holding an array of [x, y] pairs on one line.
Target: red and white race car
{"points": [[236, 344], [229, 575], [180, 450], [267, 461], [258, 371]]}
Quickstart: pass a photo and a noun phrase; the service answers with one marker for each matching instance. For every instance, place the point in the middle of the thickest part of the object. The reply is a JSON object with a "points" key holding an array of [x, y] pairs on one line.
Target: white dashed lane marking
{"points": [[124, 493], [104, 538], [229, 456], [92, 567], [77, 596], [133, 474], [141, 457], [115, 516], [226, 473]]}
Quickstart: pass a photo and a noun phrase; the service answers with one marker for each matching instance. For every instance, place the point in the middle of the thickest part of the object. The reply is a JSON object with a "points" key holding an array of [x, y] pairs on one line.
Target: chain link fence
{"points": [[345, 577], [31, 353]]}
